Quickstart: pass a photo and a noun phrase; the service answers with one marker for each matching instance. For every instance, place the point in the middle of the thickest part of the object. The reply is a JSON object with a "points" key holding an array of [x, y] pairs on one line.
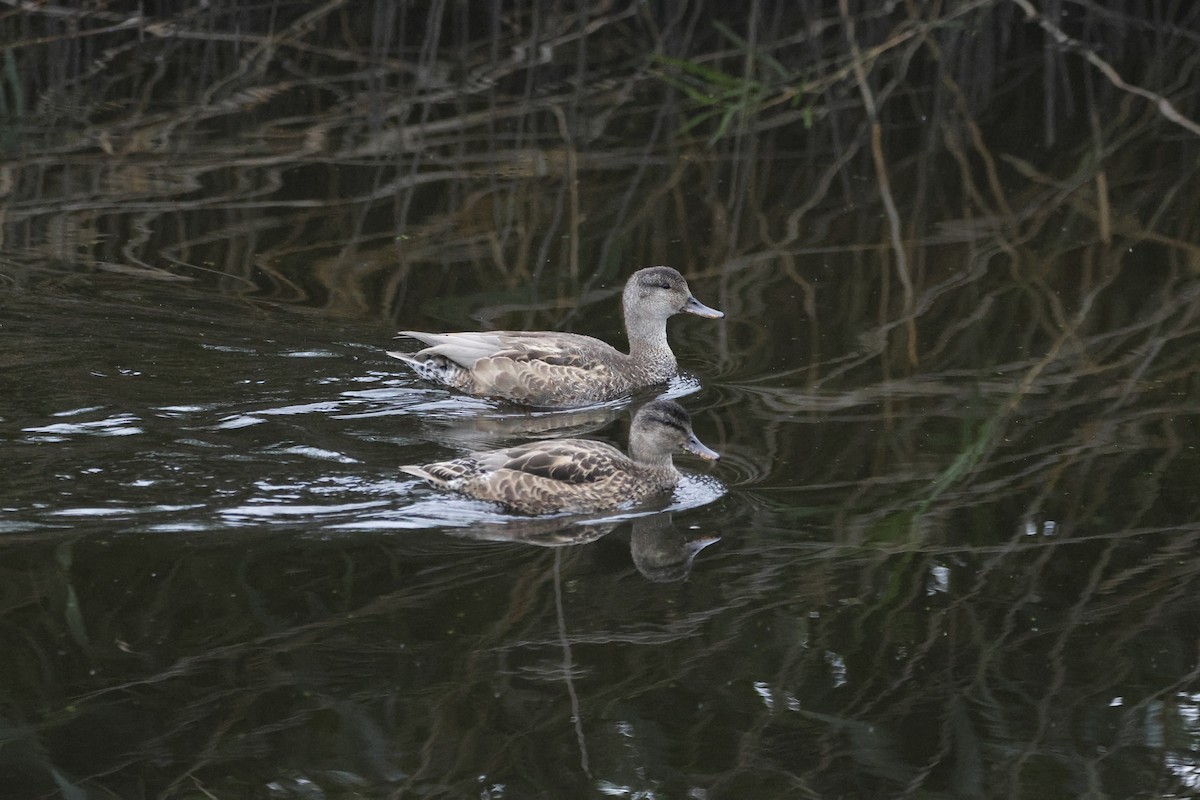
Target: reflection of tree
{"points": [[980, 668], [963, 562]]}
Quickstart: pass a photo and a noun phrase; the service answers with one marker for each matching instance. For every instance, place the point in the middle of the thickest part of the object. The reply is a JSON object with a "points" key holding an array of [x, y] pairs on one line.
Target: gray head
{"points": [[659, 429], [656, 293], [661, 552]]}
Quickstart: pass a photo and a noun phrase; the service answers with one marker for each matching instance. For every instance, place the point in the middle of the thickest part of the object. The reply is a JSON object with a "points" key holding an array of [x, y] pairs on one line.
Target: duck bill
{"points": [[699, 543], [698, 448], [694, 306]]}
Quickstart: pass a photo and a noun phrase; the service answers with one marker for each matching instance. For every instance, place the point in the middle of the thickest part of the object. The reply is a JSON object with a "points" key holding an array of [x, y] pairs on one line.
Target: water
{"points": [[950, 547], [210, 557]]}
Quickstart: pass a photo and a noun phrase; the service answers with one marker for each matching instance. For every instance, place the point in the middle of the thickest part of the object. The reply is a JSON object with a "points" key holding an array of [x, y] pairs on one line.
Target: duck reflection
{"points": [[476, 431], [661, 552], [577, 475], [459, 421]]}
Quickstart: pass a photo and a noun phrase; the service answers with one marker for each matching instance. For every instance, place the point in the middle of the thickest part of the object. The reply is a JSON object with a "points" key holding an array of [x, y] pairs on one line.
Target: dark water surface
{"points": [[209, 557], [952, 548]]}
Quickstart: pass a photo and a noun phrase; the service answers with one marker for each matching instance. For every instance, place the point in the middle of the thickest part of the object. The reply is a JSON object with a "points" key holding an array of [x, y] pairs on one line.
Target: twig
{"points": [[564, 130], [1161, 103]]}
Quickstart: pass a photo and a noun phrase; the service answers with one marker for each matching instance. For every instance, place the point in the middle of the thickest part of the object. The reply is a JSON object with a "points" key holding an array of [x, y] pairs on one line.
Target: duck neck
{"points": [[651, 457], [648, 343]]}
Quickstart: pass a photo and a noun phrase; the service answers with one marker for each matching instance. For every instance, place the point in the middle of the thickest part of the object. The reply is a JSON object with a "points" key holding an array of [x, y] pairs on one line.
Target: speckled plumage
{"points": [[575, 474], [561, 370]]}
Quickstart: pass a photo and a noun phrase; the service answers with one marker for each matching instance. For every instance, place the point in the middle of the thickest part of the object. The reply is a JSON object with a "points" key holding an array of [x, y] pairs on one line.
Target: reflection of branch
{"points": [[1161, 103], [568, 664], [885, 191]]}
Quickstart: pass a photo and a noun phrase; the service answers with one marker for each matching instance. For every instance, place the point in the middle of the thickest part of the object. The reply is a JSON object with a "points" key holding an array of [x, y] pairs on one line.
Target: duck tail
{"points": [[419, 471]]}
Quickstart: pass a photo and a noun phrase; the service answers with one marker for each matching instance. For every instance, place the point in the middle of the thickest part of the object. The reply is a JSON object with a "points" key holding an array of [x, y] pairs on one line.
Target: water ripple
{"points": [[116, 425], [316, 452], [743, 466], [694, 491], [238, 421], [74, 412], [258, 511], [681, 385]]}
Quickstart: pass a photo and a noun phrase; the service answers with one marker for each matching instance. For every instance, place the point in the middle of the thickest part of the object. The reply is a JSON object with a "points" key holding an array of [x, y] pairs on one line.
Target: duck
{"points": [[661, 552], [575, 475], [550, 369]]}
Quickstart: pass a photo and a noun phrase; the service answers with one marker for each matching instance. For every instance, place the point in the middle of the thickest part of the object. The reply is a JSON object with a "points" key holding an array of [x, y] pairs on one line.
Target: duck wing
{"points": [[551, 369], [573, 461], [559, 349], [543, 477]]}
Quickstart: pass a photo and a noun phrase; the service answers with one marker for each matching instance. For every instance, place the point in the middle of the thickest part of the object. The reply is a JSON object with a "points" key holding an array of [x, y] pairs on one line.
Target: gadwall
{"points": [[562, 370], [576, 474]]}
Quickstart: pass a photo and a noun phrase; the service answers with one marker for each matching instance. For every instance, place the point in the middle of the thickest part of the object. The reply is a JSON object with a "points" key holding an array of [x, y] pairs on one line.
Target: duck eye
{"points": [[665, 285]]}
